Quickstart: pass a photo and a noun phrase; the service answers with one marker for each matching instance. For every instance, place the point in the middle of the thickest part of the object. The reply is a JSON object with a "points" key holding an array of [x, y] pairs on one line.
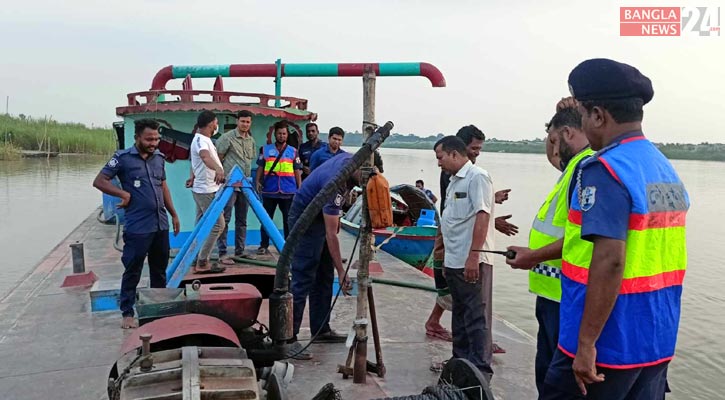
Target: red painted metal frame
{"points": [[178, 326], [221, 101]]}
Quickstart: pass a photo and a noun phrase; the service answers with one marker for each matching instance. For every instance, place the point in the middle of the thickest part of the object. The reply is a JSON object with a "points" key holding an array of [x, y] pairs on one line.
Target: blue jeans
{"points": [[547, 313], [136, 246], [646, 383], [312, 275], [239, 203]]}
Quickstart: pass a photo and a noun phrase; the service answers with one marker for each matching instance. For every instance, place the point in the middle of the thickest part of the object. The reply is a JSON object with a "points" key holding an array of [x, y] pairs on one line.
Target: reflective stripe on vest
{"points": [[281, 180], [642, 327], [548, 227]]}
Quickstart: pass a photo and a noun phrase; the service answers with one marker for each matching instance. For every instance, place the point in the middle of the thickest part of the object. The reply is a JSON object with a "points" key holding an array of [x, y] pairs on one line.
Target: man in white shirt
{"points": [[467, 225], [207, 176]]}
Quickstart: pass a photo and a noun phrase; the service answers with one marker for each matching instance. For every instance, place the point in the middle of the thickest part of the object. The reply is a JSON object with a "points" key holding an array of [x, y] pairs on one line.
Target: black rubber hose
{"points": [[281, 279]]}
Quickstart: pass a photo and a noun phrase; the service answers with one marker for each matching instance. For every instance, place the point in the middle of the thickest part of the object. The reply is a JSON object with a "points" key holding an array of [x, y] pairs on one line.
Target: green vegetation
{"points": [[8, 151], [674, 151], [27, 133]]}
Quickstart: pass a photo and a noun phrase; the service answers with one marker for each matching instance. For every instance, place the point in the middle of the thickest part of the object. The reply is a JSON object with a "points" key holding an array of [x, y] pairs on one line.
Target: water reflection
{"points": [[41, 201]]}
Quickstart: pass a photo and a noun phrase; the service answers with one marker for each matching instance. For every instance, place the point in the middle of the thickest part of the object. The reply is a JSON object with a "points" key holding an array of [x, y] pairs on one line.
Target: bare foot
{"points": [[129, 323]]}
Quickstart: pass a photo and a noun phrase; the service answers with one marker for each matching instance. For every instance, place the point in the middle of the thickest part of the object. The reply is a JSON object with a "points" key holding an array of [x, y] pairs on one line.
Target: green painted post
{"points": [[278, 82]]}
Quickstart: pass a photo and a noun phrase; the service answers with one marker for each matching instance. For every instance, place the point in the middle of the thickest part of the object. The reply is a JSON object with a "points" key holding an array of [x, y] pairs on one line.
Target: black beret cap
{"points": [[603, 79]]}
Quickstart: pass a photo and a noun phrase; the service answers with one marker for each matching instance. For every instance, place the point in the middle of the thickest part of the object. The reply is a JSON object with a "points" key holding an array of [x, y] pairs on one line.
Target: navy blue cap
{"points": [[604, 79]]}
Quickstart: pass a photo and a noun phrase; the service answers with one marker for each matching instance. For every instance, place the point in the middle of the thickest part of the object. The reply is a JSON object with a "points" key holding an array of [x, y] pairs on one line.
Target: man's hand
{"points": [[175, 224], [189, 182], [306, 170], [470, 273], [585, 371], [505, 227], [523, 259], [125, 199], [345, 282], [501, 196], [219, 175], [566, 102]]}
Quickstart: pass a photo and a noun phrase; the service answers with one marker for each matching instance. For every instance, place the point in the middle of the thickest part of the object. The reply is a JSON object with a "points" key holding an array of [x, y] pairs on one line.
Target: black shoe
{"points": [[331, 337]]}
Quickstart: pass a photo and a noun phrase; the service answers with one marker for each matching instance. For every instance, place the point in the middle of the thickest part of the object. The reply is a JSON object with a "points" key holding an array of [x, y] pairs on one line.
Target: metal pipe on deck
{"points": [[79, 261]]}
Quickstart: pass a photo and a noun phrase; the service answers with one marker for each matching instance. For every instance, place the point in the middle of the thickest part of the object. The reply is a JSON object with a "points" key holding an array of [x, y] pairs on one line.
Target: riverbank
{"points": [[48, 136]]}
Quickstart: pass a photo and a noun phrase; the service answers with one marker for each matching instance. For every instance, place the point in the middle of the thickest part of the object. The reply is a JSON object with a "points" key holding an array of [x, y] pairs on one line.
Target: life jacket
{"points": [[379, 204], [281, 180], [548, 227], [642, 327]]}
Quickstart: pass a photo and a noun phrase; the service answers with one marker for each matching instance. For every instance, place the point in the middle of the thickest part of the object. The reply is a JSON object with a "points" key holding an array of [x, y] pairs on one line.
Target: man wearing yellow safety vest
{"points": [[624, 255], [279, 174], [566, 146]]}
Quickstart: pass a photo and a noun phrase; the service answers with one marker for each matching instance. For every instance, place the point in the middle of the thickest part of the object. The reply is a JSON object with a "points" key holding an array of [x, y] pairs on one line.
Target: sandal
{"points": [[215, 269], [439, 334], [496, 349], [227, 260]]}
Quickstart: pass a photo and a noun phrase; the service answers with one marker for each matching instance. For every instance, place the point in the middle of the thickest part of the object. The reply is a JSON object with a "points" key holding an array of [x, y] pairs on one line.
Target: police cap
{"points": [[604, 79]]}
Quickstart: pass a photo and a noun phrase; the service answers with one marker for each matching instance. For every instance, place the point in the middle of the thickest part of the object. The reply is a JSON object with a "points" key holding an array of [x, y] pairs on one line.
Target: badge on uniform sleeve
{"points": [[112, 162], [588, 197], [137, 183], [338, 200]]}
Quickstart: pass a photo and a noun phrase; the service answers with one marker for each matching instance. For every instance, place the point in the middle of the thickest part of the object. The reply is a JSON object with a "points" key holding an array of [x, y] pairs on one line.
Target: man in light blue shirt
{"points": [[467, 226]]}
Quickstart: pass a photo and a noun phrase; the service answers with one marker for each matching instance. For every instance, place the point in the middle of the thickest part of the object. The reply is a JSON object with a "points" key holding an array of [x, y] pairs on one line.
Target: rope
{"points": [[389, 238]]}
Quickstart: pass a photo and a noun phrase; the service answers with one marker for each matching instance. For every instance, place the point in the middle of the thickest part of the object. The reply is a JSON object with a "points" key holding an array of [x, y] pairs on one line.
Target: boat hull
{"points": [[411, 244]]}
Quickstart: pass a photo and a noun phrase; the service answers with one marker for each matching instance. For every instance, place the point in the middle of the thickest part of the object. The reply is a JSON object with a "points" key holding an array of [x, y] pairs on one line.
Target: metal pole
{"points": [[7, 105], [366, 236], [79, 262], [278, 82]]}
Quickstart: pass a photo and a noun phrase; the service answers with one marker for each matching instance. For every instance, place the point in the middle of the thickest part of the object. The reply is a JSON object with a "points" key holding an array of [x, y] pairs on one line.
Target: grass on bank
{"points": [[9, 152], [45, 134]]}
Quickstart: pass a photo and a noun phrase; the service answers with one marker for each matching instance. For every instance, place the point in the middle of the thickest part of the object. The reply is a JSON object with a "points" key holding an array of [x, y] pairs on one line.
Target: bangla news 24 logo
{"points": [[669, 21]]}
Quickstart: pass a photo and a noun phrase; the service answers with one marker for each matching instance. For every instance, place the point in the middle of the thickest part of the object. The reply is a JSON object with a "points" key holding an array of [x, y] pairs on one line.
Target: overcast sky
{"points": [[506, 63]]}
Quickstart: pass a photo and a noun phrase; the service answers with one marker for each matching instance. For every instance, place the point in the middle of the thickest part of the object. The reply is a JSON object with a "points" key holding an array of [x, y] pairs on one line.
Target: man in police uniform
{"points": [[624, 254], [318, 254], [146, 200], [566, 146], [307, 148]]}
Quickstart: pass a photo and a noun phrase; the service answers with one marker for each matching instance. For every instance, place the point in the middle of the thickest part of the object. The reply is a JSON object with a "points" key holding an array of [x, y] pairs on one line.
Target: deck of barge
{"points": [[52, 346]]}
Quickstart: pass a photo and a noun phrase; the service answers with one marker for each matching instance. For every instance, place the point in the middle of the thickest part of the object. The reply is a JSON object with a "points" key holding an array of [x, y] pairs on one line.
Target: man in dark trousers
{"points": [[146, 201], [279, 174], [624, 254], [566, 147], [473, 139], [318, 254], [307, 148], [467, 226]]}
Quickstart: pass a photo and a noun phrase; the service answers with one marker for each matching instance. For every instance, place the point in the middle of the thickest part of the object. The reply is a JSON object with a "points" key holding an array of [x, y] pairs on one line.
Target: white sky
{"points": [[506, 63]]}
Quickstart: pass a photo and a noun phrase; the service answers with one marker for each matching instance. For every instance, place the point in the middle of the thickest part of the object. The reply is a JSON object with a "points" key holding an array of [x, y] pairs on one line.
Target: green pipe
{"points": [[388, 282], [410, 285]]}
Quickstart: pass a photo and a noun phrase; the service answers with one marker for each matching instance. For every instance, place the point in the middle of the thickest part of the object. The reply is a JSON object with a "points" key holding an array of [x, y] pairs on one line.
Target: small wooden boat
{"points": [[406, 241]]}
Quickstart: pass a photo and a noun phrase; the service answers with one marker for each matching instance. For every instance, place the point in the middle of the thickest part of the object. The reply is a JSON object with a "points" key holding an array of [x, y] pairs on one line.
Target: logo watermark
{"points": [[669, 21]]}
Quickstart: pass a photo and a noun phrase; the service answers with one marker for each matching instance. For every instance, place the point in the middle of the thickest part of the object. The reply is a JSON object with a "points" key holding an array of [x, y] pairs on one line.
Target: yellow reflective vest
{"points": [[547, 228]]}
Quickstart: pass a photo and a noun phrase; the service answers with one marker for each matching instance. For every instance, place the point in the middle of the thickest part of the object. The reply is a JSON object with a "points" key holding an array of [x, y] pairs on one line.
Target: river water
{"points": [[42, 200]]}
